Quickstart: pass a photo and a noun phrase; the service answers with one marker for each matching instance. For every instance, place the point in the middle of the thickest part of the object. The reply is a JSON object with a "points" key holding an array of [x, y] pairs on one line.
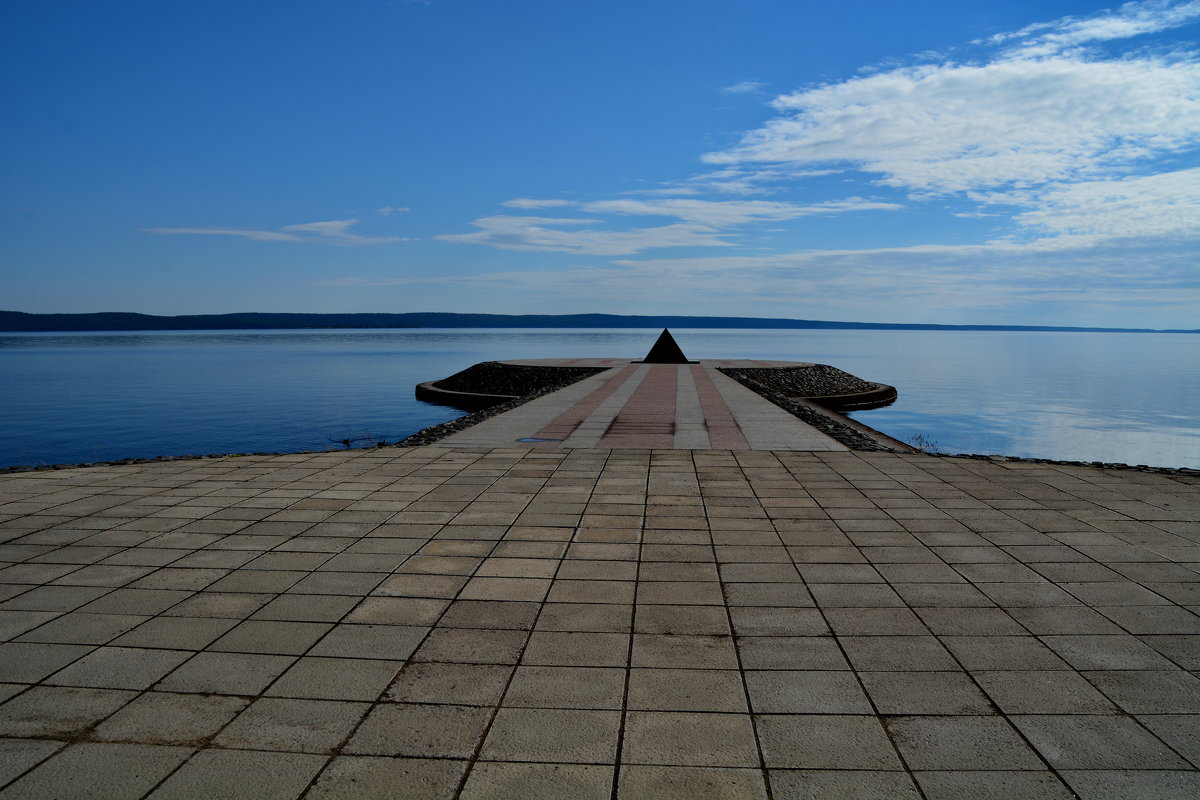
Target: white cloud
{"points": [[701, 223], [389, 211], [951, 128], [728, 213], [529, 202], [545, 234], [1163, 205], [1131, 19], [744, 87], [331, 232]]}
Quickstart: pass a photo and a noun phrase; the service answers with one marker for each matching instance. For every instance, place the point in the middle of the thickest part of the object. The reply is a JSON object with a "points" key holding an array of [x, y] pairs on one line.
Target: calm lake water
{"points": [[66, 398]]}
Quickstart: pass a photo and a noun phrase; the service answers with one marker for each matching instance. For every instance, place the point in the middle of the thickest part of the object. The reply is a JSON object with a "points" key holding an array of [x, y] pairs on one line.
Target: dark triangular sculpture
{"points": [[665, 351]]}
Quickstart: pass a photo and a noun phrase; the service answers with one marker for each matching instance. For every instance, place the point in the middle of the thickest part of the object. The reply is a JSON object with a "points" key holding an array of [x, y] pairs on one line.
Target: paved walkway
{"points": [[632, 405], [593, 623]]}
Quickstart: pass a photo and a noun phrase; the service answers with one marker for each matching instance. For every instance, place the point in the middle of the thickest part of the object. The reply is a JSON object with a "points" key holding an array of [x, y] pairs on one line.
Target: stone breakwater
{"points": [[489, 383], [839, 428], [820, 383]]}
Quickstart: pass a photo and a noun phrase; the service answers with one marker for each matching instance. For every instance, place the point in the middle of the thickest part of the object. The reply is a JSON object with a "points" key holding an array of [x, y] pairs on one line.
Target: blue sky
{"points": [[1009, 163]]}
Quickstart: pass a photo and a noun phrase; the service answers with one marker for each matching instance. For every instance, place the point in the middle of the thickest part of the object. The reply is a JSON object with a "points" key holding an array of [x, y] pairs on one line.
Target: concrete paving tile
{"points": [[374, 778], [491, 614], [176, 633], [1149, 691], [961, 743], [420, 731], [825, 741], [99, 770], [529, 589], [1078, 741], [670, 738], [241, 775], [686, 690], [815, 784], [1156, 619], [306, 608], [1002, 653], [790, 652], [386, 642], [553, 736], [15, 623], [446, 586], [335, 679], [473, 646], [692, 652], [992, 785], [773, 621], [56, 598], [173, 719], [266, 636], [461, 684], [591, 591], [562, 648], [119, 668], [1043, 692], [895, 653], [913, 693], [31, 662], [599, 618], [1180, 731], [59, 711], [19, 755], [398, 611], [292, 725], [970, 621], [1064, 620], [875, 622], [225, 673], [805, 692], [229, 605], [785, 595], [758, 573], [1142, 783], [518, 567], [566, 687], [855, 595], [685, 783], [681, 619], [1103, 652]]}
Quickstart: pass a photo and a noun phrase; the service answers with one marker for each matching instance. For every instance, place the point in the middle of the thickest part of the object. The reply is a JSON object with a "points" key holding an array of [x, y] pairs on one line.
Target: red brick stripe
{"points": [[723, 430], [648, 418]]}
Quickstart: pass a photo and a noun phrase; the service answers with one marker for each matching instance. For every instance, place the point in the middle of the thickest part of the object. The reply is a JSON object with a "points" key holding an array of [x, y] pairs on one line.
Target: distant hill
{"points": [[12, 321]]}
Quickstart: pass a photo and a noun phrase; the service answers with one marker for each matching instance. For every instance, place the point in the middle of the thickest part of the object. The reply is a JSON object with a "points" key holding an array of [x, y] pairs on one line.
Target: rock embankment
{"points": [[512, 380], [811, 380], [492, 387]]}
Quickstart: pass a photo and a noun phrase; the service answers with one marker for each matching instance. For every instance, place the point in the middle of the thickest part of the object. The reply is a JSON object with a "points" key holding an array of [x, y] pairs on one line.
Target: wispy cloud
{"points": [[933, 282], [1166, 205], [331, 232], [744, 87], [1131, 19], [702, 223], [391, 211], [528, 202], [951, 128], [548, 234]]}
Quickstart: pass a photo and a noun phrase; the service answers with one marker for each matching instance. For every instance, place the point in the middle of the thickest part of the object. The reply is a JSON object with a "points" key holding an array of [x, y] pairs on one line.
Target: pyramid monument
{"points": [[665, 351]]}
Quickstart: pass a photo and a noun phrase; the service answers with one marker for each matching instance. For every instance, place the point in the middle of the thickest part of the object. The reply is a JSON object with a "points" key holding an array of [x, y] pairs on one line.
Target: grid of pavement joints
{"points": [[588, 623]]}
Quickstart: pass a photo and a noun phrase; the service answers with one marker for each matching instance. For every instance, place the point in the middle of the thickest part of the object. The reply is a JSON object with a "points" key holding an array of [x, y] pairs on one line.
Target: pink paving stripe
{"points": [[565, 423], [648, 417], [723, 430]]}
